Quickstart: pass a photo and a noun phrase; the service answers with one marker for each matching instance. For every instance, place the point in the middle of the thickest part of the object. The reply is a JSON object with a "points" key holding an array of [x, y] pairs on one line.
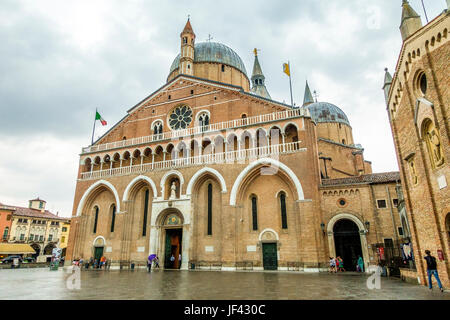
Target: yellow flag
{"points": [[286, 69]]}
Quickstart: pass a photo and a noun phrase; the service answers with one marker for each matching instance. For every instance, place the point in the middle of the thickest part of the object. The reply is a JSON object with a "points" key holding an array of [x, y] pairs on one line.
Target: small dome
{"points": [[213, 52], [327, 112]]}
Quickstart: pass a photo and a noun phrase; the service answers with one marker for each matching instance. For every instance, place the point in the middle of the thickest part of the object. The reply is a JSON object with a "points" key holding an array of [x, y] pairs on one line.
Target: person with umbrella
{"points": [[149, 261]]}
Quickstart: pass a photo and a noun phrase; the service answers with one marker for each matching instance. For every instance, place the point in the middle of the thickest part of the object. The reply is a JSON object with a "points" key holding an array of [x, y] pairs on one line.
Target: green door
{"points": [[270, 261], [98, 253]]}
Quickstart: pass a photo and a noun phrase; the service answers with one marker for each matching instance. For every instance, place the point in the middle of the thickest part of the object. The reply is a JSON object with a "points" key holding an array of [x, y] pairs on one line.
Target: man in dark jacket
{"points": [[432, 270]]}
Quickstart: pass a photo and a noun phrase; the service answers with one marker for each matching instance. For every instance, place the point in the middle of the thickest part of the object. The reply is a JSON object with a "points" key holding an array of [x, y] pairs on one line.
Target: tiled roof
{"points": [[373, 178], [37, 199], [35, 213]]}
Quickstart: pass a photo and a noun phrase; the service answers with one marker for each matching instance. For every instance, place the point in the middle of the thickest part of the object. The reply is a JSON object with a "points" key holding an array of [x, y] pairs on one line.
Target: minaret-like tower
{"points": [[387, 84], [258, 79], [410, 21], [308, 98], [187, 50]]}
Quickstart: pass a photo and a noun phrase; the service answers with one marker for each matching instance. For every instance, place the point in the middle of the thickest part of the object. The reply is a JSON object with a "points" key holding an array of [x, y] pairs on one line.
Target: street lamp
{"points": [[322, 226], [367, 223]]}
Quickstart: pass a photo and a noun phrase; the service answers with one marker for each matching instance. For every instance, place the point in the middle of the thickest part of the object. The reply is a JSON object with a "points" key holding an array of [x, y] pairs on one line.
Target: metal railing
{"points": [[281, 115], [214, 158]]}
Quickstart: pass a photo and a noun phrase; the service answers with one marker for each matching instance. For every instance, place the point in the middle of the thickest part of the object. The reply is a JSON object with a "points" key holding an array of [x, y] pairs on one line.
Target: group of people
{"points": [[337, 264], [101, 263]]}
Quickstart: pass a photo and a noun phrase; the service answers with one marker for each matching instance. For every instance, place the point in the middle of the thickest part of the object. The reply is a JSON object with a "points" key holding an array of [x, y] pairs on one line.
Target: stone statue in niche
{"points": [[434, 144], [173, 190]]}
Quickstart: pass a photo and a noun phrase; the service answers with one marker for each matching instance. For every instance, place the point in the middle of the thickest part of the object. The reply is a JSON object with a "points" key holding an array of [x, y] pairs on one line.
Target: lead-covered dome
{"points": [[213, 52], [327, 112]]}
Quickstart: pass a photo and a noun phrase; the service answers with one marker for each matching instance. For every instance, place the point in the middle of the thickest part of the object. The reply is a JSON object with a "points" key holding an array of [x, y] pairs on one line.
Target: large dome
{"points": [[327, 112], [213, 52]]}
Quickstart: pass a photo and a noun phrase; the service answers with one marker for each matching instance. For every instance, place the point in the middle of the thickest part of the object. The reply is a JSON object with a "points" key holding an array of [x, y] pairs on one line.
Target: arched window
{"points": [[95, 220], [203, 121], [144, 225], [157, 128], [284, 224], [254, 213], [209, 209], [113, 218]]}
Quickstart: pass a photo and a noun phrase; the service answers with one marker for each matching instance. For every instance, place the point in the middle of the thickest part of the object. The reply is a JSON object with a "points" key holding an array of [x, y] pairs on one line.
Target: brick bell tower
{"points": [[187, 50]]}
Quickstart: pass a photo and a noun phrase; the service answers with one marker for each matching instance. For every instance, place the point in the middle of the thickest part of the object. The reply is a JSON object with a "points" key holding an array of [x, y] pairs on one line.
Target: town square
{"points": [[292, 150]]}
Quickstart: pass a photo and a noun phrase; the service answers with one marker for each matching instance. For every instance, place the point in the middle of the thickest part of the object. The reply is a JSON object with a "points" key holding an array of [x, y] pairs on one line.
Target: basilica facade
{"points": [[210, 172]]}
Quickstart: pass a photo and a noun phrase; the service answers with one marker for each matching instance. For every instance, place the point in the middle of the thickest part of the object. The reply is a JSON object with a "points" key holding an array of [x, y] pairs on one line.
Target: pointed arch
{"points": [[92, 188], [199, 173], [126, 194], [265, 161]]}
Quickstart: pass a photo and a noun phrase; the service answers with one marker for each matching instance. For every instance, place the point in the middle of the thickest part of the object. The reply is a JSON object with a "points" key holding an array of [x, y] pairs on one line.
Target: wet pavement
{"points": [[204, 285]]}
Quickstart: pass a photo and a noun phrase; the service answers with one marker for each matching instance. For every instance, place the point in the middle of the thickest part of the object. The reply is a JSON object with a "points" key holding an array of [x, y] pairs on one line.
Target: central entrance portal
{"points": [[172, 249], [347, 242], [98, 253], [270, 261]]}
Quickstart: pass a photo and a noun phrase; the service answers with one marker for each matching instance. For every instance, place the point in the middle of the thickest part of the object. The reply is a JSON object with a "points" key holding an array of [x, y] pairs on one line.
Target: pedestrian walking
{"points": [[332, 265], [360, 264], [156, 262], [341, 264], [172, 261], [432, 270], [149, 262], [102, 261]]}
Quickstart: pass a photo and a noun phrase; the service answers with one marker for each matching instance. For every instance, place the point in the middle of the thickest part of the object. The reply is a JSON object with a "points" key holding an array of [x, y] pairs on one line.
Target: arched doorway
{"points": [[37, 249], [98, 247], [48, 250], [347, 243], [171, 248]]}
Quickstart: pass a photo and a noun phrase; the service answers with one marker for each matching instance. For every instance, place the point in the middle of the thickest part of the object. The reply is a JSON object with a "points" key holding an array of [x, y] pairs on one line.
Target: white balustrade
{"points": [[269, 117], [213, 158]]}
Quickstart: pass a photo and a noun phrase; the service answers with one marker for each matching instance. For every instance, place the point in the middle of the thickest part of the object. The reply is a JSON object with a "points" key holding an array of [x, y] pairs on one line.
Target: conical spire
{"points": [[308, 99], [257, 71], [258, 79], [408, 11], [387, 84], [410, 20], [188, 28]]}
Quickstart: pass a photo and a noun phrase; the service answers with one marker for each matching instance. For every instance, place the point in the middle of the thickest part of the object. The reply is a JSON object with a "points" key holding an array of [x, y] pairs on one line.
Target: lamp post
{"points": [[367, 224], [322, 226]]}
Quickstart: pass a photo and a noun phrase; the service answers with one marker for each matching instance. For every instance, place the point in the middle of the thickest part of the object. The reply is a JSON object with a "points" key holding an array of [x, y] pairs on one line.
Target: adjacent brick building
{"points": [[418, 99]]}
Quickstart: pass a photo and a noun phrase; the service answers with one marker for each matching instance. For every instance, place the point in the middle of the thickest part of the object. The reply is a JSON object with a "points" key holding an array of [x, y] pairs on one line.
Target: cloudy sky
{"points": [[59, 60]]}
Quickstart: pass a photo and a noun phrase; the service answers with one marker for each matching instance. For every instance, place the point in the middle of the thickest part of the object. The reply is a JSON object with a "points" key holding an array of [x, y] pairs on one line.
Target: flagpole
{"points": [[290, 84], [425, 10], [93, 130]]}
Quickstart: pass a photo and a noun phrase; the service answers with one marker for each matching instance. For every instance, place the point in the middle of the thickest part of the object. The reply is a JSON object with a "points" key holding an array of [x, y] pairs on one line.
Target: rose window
{"points": [[180, 118]]}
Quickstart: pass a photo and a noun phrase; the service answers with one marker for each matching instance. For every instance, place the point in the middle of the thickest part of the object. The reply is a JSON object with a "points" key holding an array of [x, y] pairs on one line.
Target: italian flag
{"points": [[99, 117]]}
